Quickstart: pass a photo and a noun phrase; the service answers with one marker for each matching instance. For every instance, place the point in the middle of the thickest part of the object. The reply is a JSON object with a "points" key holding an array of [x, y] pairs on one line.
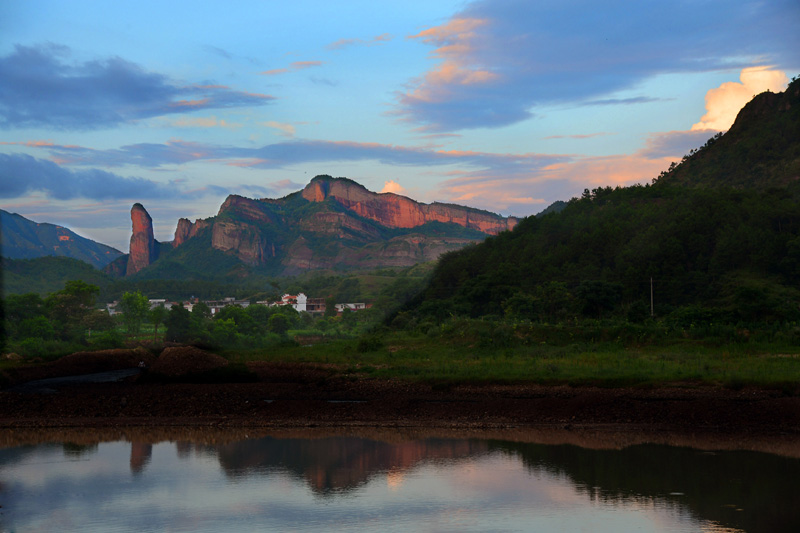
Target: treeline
{"points": [[712, 255], [61, 322], [70, 319]]}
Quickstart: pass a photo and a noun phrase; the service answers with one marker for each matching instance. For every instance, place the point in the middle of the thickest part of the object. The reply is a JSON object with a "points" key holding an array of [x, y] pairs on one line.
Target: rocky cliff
{"points": [[397, 211], [187, 230], [144, 249]]}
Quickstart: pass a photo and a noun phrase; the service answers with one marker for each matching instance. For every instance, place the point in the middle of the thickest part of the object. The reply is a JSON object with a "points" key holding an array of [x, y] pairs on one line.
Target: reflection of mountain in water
{"points": [[744, 490], [331, 465], [141, 453]]}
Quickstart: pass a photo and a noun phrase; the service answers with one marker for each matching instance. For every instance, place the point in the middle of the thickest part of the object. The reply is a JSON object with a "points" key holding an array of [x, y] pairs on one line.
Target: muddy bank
{"points": [[313, 396]]}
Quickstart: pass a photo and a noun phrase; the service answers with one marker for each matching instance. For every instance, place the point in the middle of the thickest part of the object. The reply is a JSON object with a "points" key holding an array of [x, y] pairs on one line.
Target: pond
{"points": [[301, 481]]}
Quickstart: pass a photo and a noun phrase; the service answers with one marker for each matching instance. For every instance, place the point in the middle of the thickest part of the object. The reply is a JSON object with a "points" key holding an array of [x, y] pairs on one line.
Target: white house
{"points": [[297, 302]]}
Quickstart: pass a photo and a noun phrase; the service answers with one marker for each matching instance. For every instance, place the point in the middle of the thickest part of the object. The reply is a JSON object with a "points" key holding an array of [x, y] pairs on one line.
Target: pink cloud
{"points": [[191, 103], [295, 66], [247, 163], [393, 187], [205, 122], [455, 42], [725, 102], [344, 43], [285, 129]]}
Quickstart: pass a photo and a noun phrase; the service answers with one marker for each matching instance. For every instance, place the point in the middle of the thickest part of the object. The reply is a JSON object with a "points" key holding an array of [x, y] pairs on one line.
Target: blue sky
{"points": [[502, 105]]}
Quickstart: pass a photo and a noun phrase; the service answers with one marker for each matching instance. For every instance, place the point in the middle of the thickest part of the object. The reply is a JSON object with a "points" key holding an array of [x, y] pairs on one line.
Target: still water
{"points": [[341, 483]]}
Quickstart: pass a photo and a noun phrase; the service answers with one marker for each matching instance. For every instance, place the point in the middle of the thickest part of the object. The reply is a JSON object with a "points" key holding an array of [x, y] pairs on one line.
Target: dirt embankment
{"points": [[283, 395]]}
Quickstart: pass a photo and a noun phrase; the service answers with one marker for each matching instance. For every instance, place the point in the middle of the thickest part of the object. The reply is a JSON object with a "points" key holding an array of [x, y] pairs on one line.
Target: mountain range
{"points": [[25, 239], [331, 224]]}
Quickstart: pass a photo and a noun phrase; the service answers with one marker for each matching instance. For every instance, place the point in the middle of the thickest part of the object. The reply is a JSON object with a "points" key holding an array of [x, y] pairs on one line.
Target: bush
{"points": [[106, 340], [370, 343]]}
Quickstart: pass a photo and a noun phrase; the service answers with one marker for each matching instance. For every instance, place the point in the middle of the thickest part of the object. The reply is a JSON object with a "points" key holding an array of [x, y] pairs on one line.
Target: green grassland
{"points": [[449, 357]]}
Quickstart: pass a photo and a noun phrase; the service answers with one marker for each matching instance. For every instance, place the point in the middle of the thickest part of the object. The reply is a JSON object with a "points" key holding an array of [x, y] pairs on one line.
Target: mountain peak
{"points": [[760, 150], [143, 248]]}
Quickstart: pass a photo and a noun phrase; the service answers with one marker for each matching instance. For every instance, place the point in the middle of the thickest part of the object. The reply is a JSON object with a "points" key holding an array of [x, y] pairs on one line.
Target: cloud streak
{"points": [[497, 61], [297, 65], [40, 88], [284, 154], [346, 43]]}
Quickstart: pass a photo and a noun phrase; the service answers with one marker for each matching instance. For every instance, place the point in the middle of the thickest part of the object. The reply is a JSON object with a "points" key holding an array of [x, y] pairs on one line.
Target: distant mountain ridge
{"points": [[333, 223], [25, 239]]}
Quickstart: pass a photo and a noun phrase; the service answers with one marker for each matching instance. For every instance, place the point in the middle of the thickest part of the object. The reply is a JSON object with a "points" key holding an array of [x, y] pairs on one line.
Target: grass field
{"points": [[604, 364]]}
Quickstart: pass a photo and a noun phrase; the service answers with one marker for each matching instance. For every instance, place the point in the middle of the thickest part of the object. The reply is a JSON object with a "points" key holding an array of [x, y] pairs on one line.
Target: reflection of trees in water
{"points": [[744, 490], [333, 465], [78, 450]]}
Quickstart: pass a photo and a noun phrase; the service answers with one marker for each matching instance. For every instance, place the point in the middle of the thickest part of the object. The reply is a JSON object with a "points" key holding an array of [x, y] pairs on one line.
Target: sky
{"points": [[503, 105]]}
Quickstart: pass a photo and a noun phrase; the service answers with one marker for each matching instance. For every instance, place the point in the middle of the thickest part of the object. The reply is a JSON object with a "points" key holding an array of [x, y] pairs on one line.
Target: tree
{"points": [[36, 328], [135, 308], [278, 323], [224, 331], [69, 307], [179, 324], [157, 316]]}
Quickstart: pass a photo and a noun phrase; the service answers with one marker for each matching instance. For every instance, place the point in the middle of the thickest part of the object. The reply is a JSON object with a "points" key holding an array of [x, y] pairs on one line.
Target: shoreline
{"points": [[292, 402], [311, 398]]}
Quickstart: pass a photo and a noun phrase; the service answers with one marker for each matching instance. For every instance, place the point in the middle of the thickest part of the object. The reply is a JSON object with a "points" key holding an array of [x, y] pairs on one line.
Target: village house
{"points": [[216, 305], [351, 307]]}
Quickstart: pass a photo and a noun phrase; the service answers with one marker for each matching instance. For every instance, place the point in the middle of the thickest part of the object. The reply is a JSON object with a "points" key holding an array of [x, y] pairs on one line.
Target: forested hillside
{"points": [[716, 238]]}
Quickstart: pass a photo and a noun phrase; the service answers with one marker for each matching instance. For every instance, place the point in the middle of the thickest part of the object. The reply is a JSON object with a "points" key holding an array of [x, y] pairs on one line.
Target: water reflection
{"points": [[285, 482]]}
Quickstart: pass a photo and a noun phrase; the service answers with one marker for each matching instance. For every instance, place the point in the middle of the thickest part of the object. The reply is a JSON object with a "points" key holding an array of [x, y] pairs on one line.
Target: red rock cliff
{"points": [[400, 212], [143, 249], [186, 230]]}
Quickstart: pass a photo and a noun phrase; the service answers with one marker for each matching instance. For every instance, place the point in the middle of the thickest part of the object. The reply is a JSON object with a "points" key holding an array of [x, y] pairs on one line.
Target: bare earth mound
{"points": [[83, 363], [182, 360]]}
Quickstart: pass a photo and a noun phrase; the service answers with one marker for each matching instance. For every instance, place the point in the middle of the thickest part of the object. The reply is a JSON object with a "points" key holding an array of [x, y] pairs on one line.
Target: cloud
{"points": [[498, 60], [525, 191], [283, 154], [221, 52], [287, 184], [674, 144], [22, 174], [285, 129], [40, 89], [624, 101], [297, 65], [205, 122], [393, 186], [725, 102], [323, 81], [218, 51], [345, 43], [579, 136]]}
